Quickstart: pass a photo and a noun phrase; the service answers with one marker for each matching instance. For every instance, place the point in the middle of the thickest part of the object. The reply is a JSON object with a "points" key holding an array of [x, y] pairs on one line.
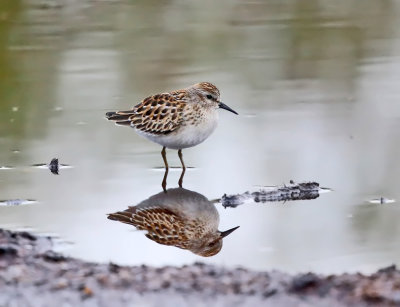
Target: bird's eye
{"points": [[209, 96]]}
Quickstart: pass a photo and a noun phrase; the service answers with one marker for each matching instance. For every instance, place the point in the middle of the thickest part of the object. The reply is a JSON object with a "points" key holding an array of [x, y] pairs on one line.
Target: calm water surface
{"points": [[316, 84]]}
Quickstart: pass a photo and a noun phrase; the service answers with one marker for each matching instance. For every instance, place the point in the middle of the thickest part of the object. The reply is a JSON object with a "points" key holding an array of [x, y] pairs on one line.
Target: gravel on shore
{"points": [[32, 274]]}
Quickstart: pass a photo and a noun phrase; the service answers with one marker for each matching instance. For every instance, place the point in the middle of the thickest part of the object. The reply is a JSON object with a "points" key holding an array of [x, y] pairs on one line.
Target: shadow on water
{"points": [[178, 217]]}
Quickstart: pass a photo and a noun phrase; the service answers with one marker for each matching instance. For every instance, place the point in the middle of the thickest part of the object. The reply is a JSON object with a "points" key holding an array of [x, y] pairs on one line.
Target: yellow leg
{"points": [[183, 168], [164, 182]]}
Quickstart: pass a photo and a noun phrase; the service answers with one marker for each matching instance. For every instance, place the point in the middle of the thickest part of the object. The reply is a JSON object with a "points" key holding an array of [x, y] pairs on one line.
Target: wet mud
{"points": [[32, 274]]}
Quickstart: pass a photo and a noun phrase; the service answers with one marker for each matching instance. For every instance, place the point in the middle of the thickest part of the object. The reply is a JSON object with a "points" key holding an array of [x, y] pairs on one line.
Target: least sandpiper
{"points": [[180, 218], [175, 120]]}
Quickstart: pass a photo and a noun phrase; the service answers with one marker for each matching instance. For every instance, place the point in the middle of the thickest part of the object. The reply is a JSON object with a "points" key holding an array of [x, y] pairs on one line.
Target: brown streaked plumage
{"points": [[162, 225], [180, 218], [176, 120], [158, 114]]}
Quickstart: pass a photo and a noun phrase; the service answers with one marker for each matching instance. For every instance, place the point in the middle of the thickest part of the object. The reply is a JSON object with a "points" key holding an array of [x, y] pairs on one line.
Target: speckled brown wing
{"points": [[162, 225], [157, 114]]}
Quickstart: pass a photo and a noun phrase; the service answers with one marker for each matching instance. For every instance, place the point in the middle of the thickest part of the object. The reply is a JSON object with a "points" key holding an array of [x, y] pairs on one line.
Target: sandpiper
{"points": [[175, 120], [180, 218]]}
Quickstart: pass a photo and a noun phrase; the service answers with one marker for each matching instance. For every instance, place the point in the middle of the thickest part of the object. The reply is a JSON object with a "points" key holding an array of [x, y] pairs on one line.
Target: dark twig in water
{"points": [[381, 200], [293, 191], [54, 166]]}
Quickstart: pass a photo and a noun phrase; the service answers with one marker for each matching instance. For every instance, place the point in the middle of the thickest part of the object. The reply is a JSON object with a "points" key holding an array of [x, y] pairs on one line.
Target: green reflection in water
{"points": [[27, 66], [9, 11]]}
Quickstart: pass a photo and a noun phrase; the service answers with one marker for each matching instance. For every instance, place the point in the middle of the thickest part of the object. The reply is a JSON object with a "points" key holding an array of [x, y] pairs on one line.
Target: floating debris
{"points": [[17, 202], [293, 191], [54, 166], [15, 109], [382, 200], [5, 167]]}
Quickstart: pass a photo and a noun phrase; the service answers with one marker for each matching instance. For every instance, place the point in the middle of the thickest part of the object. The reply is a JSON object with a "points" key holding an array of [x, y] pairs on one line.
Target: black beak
{"points": [[228, 232], [224, 106]]}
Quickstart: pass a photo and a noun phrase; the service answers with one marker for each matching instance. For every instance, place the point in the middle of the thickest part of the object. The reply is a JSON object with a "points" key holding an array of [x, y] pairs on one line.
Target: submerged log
{"points": [[293, 191]]}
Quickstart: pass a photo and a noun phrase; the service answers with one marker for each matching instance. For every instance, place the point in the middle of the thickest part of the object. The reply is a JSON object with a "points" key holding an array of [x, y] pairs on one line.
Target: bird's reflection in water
{"points": [[180, 218]]}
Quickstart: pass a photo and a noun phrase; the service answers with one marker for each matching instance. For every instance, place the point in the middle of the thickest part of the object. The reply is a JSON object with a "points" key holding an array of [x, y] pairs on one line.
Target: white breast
{"points": [[187, 135]]}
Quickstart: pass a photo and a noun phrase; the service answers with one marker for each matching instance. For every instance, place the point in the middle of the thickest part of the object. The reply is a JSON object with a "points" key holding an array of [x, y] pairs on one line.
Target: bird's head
{"points": [[211, 244], [209, 94]]}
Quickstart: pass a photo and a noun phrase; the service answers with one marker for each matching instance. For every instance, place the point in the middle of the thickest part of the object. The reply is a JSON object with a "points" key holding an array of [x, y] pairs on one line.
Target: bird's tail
{"points": [[122, 118], [126, 216]]}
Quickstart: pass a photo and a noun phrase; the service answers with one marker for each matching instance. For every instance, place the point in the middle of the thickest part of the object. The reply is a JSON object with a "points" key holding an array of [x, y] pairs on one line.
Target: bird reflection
{"points": [[180, 218], [164, 181]]}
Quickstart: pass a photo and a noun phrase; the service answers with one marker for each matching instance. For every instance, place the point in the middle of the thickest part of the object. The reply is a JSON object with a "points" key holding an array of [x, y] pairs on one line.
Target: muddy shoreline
{"points": [[31, 274]]}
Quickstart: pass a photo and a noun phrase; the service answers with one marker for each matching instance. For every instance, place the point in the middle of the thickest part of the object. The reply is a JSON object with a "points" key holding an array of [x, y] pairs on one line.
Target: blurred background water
{"points": [[316, 84]]}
